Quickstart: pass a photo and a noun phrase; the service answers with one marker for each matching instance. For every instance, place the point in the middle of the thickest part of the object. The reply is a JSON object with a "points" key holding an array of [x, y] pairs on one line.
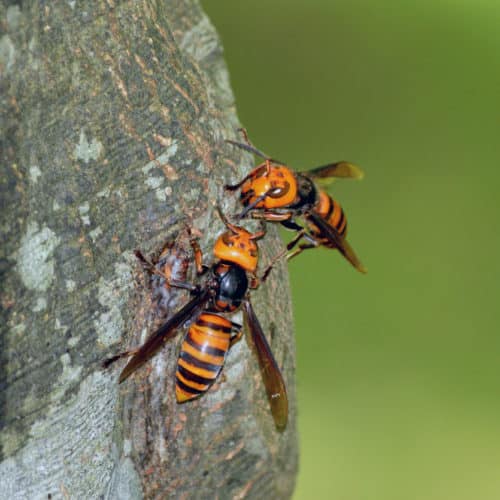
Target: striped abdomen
{"points": [[331, 211], [202, 355]]}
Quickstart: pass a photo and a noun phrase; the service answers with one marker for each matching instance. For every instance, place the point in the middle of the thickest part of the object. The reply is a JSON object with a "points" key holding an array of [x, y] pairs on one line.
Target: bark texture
{"points": [[113, 115]]}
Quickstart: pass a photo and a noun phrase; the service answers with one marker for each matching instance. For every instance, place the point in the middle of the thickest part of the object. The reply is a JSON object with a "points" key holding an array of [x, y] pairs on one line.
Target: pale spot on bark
{"points": [[70, 285], [7, 53], [111, 295], [86, 150], [35, 173], [40, 305], [84, 210], [35, 264], [95, 233]]}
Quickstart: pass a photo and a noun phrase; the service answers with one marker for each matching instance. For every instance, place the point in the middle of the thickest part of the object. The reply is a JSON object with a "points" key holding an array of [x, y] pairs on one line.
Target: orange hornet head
{"points": [[276, 185], [237, 245]]}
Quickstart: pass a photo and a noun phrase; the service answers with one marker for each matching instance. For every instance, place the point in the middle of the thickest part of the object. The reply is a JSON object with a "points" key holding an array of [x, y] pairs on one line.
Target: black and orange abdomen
{"points": [[202, 355], [330, 211]]}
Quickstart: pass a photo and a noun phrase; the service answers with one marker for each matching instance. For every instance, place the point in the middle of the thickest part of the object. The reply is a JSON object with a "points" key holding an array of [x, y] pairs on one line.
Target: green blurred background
{"points": [[398, 370]]}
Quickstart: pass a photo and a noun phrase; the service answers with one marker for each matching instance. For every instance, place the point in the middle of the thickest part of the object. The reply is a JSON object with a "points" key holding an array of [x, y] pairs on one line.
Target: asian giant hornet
{"points": [[224, 289], [275, 193]]}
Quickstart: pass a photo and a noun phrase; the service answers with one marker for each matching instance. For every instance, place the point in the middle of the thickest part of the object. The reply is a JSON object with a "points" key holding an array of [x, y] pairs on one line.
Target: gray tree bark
{"points": [[113, 115]]}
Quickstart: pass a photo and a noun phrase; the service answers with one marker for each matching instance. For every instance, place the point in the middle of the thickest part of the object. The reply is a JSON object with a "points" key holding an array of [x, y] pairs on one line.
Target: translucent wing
{"points": [[273, 380], [326, 174], [340, 242], [165, 332]]}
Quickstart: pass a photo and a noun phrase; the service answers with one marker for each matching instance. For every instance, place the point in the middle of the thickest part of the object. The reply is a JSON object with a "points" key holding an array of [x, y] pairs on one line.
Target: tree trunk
{"points": [[113, 115]]}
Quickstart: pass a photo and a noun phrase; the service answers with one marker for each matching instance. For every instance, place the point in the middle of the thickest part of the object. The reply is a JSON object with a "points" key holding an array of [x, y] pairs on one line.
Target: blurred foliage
{"points": [[398, 370]]}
